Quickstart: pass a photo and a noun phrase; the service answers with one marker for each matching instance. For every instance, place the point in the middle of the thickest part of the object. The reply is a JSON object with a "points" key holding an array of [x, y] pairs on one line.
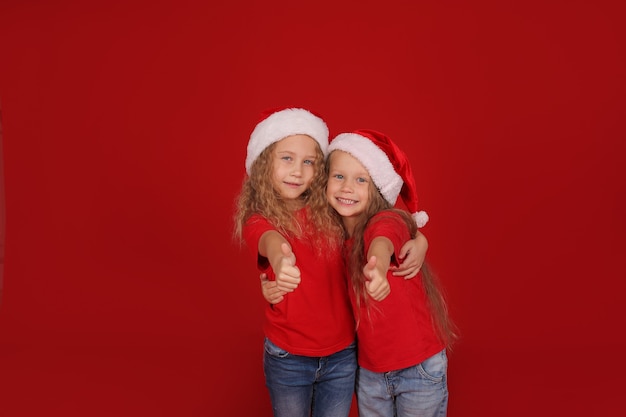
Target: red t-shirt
{"points": [[316, 318], [398, 331]]}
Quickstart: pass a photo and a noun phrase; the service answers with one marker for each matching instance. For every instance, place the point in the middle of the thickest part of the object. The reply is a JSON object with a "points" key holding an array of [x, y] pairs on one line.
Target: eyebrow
{"points": [[360, 174], [312, 156]]}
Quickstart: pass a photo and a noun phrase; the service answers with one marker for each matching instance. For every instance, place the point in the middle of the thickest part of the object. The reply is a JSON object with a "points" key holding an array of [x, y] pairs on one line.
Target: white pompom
{"points": [[421, 218]]}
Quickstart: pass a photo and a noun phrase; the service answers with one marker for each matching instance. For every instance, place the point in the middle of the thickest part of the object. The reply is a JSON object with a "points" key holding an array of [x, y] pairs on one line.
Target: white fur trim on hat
{"points": [[388, 182], [421, 218], [283, 123]]}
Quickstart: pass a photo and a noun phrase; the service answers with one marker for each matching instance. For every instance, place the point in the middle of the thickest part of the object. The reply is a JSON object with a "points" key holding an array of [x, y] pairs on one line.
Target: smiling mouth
{"points": [[292, 184], [346, 201]]}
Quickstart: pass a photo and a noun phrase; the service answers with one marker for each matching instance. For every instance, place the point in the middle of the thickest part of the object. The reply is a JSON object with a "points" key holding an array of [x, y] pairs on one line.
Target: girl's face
{"points": [[348, 186], [293, 165]]}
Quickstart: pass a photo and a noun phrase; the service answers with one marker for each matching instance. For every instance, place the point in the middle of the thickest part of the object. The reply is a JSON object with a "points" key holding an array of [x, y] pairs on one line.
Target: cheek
{"points": [[310, 174], [331, 186], [276, 171], [365, 196], [275, 176], [329, 191]]}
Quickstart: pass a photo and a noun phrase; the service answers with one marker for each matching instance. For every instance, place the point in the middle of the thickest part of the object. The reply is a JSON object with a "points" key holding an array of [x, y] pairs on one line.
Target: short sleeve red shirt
{"points": [[398, 331], [316, 319]]}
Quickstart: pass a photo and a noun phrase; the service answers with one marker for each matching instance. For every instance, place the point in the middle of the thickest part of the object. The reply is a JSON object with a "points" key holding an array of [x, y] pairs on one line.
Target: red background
{"points": [[124, 133]]}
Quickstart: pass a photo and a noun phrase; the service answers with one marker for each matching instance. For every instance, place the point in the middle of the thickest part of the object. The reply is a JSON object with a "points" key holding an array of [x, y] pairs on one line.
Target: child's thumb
{"points": [[369, 267], [287, 252]]}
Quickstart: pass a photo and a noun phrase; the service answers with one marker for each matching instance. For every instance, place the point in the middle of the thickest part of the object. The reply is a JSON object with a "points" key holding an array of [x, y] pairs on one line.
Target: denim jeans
{"points": [[417, 391], [303, 386]]}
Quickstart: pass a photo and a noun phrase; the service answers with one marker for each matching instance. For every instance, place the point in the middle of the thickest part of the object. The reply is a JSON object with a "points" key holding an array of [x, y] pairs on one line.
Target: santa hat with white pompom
{"points": [[277, 124], [386, 163]]}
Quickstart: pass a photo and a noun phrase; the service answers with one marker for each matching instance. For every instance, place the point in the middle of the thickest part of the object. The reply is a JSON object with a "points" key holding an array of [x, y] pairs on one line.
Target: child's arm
{"points": [[379, 259], [270, 290], [411, 257], [277, 250]]}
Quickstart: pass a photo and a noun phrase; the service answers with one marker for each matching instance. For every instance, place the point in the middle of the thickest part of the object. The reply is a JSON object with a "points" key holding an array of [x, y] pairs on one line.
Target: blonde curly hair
{"points": [[258, 196]]}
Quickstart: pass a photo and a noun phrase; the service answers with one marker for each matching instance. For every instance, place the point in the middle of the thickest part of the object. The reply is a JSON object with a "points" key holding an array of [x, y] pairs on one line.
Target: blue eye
{"points": [[361, 180], [309, 162], [338, 176], [286, 158]]}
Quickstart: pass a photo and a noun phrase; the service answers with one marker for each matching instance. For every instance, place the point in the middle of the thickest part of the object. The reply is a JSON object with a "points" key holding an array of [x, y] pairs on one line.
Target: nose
{"points": [[346, 187], [296, 171]]}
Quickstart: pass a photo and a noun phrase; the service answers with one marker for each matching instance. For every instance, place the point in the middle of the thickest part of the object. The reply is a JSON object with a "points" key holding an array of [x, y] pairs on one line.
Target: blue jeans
{"points": [[303, 386], [417, 391]]}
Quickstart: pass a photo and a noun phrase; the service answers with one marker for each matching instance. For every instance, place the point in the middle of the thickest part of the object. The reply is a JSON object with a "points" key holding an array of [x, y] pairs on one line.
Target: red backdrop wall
{"points": [[125, 127]]}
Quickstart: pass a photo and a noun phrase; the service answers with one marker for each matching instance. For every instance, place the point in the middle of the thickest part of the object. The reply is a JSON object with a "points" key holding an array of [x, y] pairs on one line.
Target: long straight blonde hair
{"points": [[356, 258]]}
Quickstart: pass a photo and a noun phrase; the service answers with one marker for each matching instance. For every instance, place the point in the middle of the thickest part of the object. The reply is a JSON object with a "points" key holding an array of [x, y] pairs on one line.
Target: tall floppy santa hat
{"points": [[277, 124], [386, 163]]}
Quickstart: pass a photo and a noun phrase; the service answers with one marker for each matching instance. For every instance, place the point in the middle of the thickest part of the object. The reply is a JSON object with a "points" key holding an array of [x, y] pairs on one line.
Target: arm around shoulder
{"points": [[411, 256]]}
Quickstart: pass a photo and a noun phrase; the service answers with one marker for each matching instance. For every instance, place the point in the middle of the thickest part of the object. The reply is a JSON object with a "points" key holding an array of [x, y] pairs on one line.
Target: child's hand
{"points": [[287, 273], [376, 284], [411, 257], [270, 290]]}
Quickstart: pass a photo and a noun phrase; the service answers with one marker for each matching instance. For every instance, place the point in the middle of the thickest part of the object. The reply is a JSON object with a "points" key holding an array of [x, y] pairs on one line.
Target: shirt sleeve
{"points": [[391, 226], [253, 229]]}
